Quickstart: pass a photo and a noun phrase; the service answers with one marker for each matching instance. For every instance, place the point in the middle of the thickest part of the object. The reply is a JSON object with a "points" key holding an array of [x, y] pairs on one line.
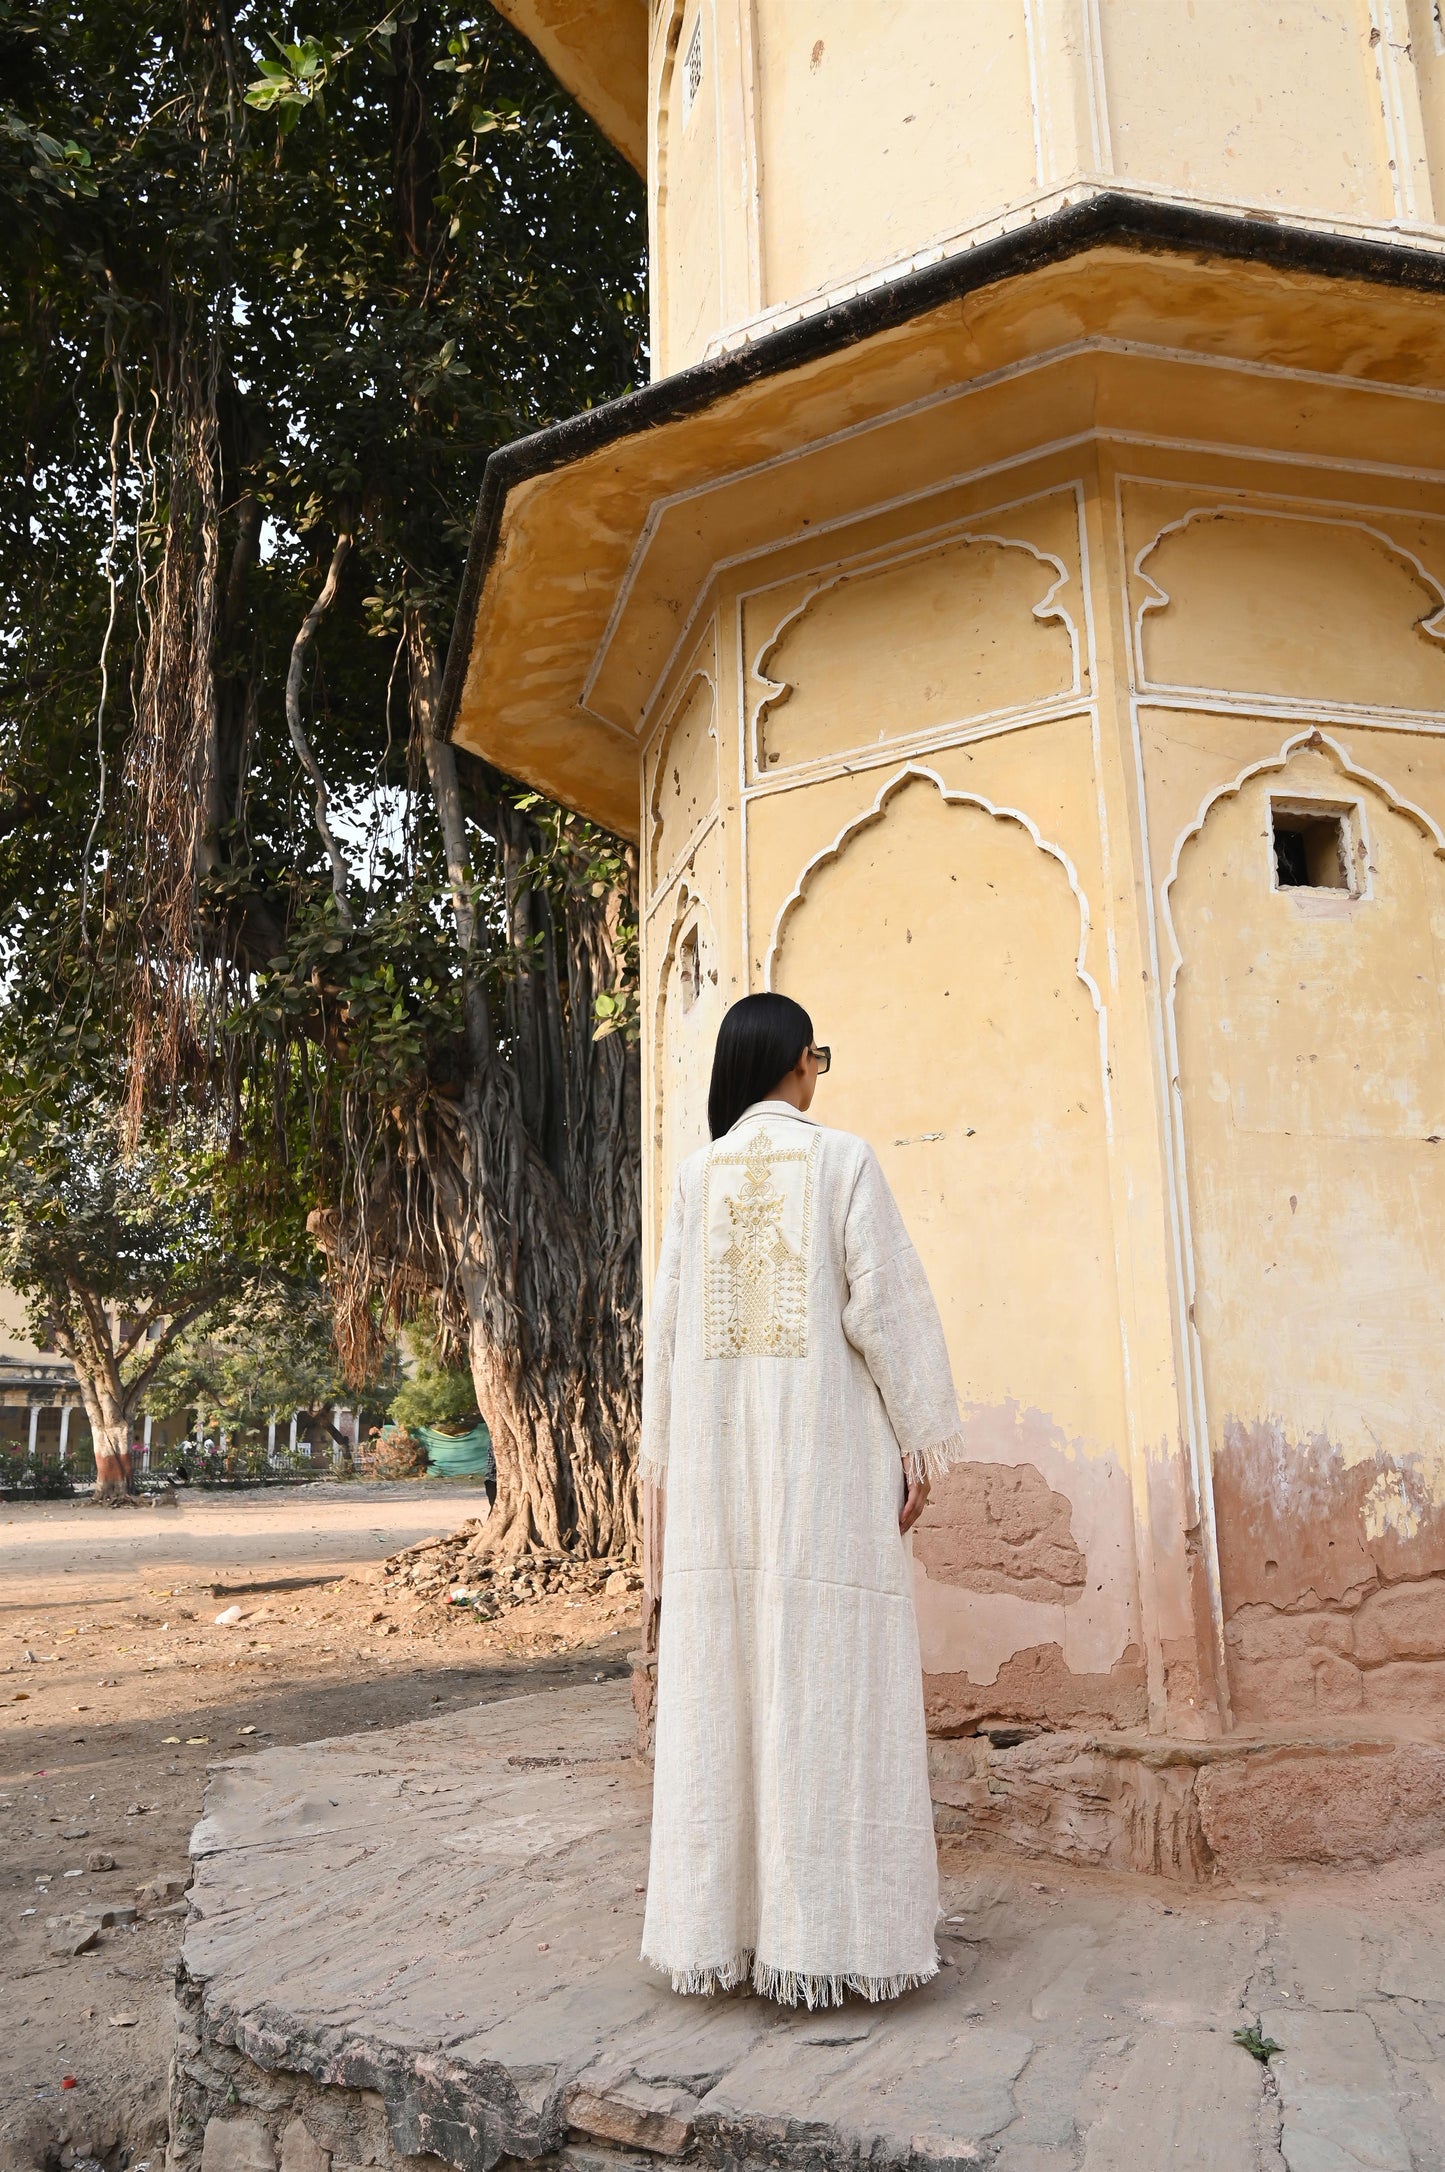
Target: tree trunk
{"points": [[538, 1342], [86, 1334], [297, 728], [537, 1197], [105, 1407], [537, 1190]]}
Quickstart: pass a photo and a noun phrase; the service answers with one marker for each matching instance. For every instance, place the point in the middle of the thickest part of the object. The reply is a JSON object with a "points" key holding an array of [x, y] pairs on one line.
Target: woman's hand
{"points": [[917, 1501]]}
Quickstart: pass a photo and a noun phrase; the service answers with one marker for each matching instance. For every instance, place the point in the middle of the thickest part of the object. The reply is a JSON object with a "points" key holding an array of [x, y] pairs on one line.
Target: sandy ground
{"points": [[117, 1689]]}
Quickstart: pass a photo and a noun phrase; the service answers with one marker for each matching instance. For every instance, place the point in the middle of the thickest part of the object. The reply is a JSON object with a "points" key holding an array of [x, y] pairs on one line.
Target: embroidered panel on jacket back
{"points": [[757, 1225]]}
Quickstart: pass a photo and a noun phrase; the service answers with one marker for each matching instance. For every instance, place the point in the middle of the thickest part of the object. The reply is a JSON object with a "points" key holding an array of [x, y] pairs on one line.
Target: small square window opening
{"points": [[1312, 848], [692, 71]]}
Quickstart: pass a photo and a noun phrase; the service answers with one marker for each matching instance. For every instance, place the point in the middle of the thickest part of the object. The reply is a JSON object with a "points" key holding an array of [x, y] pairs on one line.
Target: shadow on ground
{"points": [[307, 1712]]}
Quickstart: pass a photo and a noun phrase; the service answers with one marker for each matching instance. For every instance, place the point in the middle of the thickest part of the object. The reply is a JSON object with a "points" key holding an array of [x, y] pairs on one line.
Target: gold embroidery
{"points": [[757, 1215]]}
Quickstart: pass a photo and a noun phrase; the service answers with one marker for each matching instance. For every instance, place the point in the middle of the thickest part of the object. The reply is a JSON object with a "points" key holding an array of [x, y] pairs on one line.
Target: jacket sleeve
{"points": [[659, 1348], [892, 1322]]}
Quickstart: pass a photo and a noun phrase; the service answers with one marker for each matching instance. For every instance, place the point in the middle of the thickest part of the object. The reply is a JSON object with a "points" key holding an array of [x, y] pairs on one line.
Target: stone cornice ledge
{"points": [[1109, 218]]}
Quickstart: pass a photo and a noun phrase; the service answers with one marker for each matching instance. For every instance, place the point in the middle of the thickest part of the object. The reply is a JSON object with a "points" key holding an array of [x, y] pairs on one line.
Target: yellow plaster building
{"points": [[1013, 623]]}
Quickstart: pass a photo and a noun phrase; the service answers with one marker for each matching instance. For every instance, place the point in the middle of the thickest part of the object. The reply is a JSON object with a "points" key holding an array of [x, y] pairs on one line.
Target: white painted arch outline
{"points": [[656, 874], [689, 908], [1158, 598], [689, 903], [776, 691], [916, 772], [1007, 374]]}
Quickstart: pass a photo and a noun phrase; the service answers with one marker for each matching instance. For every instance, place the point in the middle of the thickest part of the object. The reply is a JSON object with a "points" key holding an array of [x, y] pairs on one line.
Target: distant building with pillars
{"points": [[39, 1399], [40, 1407], [1013, 622]]}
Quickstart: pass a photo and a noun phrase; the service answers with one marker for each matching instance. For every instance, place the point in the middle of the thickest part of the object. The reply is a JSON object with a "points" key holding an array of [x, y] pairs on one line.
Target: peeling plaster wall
{"points": [[994, 1643], [949, 123], [1308, 1062], [1280, 104], [687, 1013], [1427, 48], [1312, 1065], [973, 1062], [684, 788], [685, 178]]}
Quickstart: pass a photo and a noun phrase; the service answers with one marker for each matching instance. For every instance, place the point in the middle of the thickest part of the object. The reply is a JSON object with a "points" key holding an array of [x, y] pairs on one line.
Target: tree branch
{"points": [[299, 739], [175, 1326], [60, 1335], [138, 1333], [441, 766], [243, 557], [94, 1353], [93, 1314]]}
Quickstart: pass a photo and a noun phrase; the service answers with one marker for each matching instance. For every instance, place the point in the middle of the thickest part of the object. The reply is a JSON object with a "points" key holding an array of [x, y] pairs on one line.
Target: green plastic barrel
{"points": [[457, 1455]]}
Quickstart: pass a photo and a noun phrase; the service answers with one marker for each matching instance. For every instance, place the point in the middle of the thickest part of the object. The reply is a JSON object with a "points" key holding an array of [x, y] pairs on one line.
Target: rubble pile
{"points": [[389, 1452], [454, 1571]]}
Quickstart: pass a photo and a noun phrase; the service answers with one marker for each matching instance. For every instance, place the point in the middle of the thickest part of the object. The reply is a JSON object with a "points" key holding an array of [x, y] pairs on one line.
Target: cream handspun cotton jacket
{"points": [[794, 1356]]}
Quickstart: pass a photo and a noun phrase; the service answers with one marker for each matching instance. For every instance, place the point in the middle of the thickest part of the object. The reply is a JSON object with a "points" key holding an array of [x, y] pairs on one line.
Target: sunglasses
{"points": [[823, 1057]]}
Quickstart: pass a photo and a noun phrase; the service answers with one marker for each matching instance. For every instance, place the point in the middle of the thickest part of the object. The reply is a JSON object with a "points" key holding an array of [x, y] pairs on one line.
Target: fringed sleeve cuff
{"points": [[652, 1469], [933, 1461]]}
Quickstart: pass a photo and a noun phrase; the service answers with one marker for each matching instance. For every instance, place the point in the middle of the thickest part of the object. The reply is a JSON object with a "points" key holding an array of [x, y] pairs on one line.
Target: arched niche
{"points": [[971, 626], [938, 945], [1308, 1029], [685, 779], [688, 1012], [1252, 600]]}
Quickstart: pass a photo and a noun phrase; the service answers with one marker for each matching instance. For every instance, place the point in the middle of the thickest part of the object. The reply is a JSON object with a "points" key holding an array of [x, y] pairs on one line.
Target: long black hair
{"points": [[758, 1043]]}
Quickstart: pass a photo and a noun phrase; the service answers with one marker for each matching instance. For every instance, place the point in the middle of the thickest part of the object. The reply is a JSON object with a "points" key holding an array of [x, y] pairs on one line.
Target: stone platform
{"points": [[419, 1949]]}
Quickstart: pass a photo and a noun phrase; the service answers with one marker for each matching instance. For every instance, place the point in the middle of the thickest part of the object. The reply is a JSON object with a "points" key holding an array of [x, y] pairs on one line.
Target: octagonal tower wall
{"points": [[799, 153], [994, 781], [1038, 668]]}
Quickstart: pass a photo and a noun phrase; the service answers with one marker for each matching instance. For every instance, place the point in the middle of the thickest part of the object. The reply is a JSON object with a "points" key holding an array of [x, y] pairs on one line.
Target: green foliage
{"points": [[272, 1358], [443, 257], [288, 86], [45, 1479], [86, 1230], [269, 281], [392, 987], [433, 1392], [36, 166], [572, 850], [37, 172]]}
